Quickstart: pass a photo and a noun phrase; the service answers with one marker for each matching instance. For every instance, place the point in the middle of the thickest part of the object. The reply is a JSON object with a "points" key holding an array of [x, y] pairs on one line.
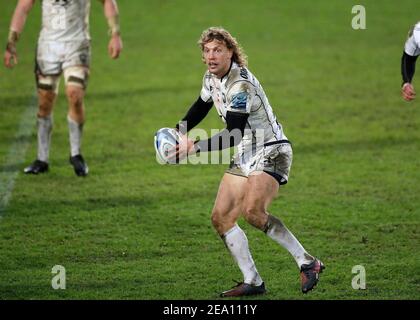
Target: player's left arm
{"points": [[408, 68], [408, 62], [113, 18], [229, 137]]}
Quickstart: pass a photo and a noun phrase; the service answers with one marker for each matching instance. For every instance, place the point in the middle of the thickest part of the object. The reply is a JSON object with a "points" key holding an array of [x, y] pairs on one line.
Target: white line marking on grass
{"points": [[16, 155]]}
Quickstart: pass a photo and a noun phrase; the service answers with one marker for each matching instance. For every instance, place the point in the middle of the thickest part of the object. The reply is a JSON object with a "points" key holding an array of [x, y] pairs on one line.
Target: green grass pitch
{"points": [[134, 229]]}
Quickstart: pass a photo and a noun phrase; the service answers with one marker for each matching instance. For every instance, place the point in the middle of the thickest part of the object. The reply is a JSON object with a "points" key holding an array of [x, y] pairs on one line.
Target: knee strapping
{"points": [[76, 76]]}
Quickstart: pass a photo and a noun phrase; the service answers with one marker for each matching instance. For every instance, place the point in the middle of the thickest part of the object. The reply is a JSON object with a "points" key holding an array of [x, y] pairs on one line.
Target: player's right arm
{"points": [[16, 27], [198, 110]]}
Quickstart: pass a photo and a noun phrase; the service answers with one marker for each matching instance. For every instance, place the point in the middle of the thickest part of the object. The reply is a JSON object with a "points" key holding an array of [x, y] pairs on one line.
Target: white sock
{"points": [[277, 231], [237, 243], [75, 133], [45, 125]]}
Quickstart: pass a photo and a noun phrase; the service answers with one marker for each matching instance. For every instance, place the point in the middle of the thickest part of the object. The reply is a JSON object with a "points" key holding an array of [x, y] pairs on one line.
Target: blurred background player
{"points": [[257, 170], [408, 62], [63, 47]]}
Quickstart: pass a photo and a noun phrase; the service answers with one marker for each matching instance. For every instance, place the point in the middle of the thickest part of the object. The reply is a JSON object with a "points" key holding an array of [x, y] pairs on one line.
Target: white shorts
{"points": [[52, 58], [275, 159]]}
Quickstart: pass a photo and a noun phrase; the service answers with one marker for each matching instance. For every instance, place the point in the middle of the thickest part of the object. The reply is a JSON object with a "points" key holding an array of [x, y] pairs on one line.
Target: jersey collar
{"points": [[233, 65]]}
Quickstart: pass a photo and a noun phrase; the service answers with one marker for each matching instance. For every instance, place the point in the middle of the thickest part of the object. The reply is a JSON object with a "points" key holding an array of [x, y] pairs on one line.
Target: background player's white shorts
{"points": [[274, 159], [52, 58]]}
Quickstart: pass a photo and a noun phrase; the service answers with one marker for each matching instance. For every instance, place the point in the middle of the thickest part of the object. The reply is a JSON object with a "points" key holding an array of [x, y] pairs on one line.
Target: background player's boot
{"points": [[36, 167], [79, 165], [244, 289], [309, 274]]}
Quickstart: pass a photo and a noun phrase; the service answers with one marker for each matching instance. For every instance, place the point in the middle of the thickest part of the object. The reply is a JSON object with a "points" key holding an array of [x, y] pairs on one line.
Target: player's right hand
{"points": [[10, 56], [181, 150], [407, 92]]}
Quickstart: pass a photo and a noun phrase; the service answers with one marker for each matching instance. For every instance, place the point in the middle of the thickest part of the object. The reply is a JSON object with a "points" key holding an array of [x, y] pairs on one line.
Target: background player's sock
{"points": [[45, 125], [237, 243], [75, 133], [277, 231]]}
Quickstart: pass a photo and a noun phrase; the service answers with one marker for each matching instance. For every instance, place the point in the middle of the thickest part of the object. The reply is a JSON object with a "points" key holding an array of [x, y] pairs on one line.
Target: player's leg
{"points": [[47, 93], [225, 214], [76, 80], [227, 207], [271, 171], [76, 74], [261, 190]]}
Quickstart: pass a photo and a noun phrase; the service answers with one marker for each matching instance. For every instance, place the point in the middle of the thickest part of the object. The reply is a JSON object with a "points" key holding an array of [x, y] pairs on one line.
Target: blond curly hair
{"points": [[220, 34]]}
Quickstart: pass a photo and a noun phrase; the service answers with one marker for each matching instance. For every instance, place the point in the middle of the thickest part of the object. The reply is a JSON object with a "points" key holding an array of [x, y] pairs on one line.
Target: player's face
{"points": [[217, 57]]}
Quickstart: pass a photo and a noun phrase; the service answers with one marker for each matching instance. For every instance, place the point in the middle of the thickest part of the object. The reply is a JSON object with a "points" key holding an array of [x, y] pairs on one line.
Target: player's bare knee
{"points": [[223, 221], [46, 100], [216, 220], [255, 216], [75, 96], [220, 222]]}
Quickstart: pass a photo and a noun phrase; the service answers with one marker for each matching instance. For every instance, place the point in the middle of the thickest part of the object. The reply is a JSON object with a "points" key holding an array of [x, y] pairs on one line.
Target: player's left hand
{"points": [[182, 149], [115, 46], [407, 92]]}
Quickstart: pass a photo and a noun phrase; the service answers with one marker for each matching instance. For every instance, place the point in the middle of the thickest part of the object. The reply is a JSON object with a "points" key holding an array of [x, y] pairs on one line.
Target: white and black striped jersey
{"points": [[412, 45], [240, 91], [65, 20]]}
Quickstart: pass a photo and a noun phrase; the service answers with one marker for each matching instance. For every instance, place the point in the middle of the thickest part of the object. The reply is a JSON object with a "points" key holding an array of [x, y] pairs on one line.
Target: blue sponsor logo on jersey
{"points": [[239, 100]]}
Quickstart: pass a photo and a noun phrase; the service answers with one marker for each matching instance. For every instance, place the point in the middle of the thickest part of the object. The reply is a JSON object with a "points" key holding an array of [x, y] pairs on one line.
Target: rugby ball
{"points": [[165, 140]]}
